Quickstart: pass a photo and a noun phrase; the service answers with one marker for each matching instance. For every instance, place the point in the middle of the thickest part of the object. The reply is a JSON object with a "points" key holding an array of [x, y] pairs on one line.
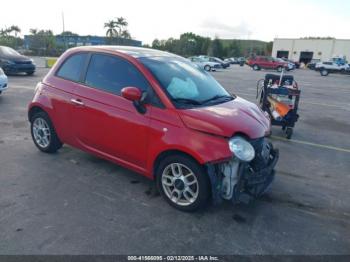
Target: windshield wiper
{"points": [[187, 101], [227, 97]]}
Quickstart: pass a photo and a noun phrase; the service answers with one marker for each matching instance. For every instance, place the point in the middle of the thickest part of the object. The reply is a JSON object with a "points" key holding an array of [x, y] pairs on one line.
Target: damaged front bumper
{"points": [[239, 181]]}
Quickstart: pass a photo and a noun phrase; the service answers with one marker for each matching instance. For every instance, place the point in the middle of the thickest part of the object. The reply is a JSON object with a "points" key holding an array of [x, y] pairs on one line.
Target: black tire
{"points": [[204, 191], [207, 68], [256, 67], [30, 73], [279, 69], [54, 141], [324, 72], [289, 132]]}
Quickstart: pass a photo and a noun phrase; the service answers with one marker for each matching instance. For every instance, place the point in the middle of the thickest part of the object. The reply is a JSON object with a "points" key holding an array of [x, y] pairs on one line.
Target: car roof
{"points": [[133, 51]]}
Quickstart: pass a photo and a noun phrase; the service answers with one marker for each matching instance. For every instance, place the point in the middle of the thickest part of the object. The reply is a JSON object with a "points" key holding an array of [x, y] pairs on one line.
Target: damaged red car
{"points": [[160, 115]]}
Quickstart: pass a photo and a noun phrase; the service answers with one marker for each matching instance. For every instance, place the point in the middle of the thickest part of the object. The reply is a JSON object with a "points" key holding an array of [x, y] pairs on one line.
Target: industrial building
{"points": [[306, 49]]}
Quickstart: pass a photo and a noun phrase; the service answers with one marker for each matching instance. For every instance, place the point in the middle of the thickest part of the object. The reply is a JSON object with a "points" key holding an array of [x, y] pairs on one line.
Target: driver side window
{"points": [[111, 74]]}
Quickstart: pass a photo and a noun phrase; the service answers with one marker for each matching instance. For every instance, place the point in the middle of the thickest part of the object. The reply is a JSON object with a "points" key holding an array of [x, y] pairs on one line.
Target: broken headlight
{"points": [[241, 148]]}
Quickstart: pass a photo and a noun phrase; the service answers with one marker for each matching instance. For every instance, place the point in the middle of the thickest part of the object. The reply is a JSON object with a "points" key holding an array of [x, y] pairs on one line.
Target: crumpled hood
{"points": [[226, 119]]}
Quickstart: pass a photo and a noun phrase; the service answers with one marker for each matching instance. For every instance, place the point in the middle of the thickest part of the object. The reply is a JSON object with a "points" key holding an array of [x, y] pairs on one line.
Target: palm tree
{"points": [[14, 29], [111, 26], [121, 24], [125, 34]]}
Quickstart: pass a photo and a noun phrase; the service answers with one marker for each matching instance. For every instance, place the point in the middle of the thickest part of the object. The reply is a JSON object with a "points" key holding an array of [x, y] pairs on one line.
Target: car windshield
{"points": [[186, 84], [4, 50]]}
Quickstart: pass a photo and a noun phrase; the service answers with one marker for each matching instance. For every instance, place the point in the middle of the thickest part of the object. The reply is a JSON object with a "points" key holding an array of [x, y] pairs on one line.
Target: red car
{"points": [[266, 62], [159, 115]]}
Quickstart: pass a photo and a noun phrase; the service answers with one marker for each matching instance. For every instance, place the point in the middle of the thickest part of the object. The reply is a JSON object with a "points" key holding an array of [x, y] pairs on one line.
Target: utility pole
{"points": [[63, 32]]}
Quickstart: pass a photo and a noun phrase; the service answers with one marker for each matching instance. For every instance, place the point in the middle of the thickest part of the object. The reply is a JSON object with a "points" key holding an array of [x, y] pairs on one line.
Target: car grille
{"points": [[262, 153]]}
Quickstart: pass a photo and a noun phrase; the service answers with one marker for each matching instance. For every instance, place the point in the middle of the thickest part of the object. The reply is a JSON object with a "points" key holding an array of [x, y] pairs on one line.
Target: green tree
{"points": [[216, 49]]}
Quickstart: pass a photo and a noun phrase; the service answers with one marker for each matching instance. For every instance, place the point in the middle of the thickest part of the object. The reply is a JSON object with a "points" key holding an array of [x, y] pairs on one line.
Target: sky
{"points": [[150, 19]]}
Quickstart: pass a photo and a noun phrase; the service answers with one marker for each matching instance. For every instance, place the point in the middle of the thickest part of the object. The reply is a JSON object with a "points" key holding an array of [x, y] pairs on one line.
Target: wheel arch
{"points": [[167, 153], [33, 110]]}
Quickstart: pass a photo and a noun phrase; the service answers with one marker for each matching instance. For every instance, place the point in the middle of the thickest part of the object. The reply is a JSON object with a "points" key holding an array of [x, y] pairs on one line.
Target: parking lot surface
{"points": [[75, 203]]}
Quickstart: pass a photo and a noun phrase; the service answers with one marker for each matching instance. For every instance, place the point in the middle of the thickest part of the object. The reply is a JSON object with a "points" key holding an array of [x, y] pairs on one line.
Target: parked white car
{"points": [[206, 65], [3, 81], [331, 67]]}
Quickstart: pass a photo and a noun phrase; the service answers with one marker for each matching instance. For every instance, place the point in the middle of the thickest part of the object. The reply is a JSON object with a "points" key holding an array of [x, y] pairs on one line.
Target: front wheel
{"points": [[279, 69], [183, 183], [44, 134], [256, 67]]}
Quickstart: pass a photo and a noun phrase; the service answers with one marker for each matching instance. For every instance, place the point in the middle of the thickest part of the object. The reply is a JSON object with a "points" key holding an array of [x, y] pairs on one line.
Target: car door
{"points": [[62, 88], [105, 122]]}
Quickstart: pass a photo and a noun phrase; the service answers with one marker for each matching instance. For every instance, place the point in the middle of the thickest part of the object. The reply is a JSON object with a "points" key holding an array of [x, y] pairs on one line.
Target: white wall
{"points": [[323, 49]]}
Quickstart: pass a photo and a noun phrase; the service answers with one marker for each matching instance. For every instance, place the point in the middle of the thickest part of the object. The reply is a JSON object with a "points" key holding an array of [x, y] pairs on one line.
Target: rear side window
{"points": [[112, 74], [72, 67]]}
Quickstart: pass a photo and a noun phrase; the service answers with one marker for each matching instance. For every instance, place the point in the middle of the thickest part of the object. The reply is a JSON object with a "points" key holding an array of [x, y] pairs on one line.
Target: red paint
{"points": [[109, 126], [131, 93], [266, 62]]}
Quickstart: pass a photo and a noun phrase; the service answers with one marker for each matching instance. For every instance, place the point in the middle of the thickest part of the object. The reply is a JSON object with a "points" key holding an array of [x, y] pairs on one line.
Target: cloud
{"points": [[211, 27]]}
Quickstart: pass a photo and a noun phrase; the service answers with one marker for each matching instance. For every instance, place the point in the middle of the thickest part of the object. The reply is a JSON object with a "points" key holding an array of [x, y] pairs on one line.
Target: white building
{"points": [[303, 50]]}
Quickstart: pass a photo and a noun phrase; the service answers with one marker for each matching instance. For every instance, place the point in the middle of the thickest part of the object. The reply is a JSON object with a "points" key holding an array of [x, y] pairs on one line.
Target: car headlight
{"points": [[7, 62], [242, 149]]}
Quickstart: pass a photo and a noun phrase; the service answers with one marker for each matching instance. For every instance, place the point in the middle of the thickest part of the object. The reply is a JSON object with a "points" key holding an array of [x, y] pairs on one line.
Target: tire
{"points": [[169, 183], [207, 68], [324, 72], [279, 69], [256, 67], [51, 143], [30, 73], [289, 132]]}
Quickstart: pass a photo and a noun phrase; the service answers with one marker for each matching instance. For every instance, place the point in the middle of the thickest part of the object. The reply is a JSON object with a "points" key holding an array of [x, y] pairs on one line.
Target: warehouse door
{"points": [[282, 54], [306, 57]]}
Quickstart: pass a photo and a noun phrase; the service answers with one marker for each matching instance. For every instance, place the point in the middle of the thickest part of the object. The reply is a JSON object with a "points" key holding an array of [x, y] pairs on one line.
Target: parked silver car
{"points": [[206, 65], [3, 81]]}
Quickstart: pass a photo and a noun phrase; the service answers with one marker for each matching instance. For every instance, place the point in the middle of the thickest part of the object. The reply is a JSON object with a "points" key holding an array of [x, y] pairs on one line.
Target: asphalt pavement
{"points": [[75, 203]]}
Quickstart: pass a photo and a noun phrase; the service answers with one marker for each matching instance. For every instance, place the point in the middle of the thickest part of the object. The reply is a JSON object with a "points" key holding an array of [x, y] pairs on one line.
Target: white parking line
{"points": [[312, 144]]}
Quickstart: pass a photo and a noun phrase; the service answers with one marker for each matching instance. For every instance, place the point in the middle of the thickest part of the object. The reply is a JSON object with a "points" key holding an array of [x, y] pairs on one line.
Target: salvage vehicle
{"points": [[206, 65], [331, 67], [265, 62], [13, 62], [3, 81], [159, 115]]}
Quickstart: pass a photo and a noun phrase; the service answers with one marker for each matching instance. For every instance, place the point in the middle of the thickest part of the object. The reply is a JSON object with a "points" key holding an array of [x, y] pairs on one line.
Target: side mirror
{"points": [[136, 96], [132, 93]]}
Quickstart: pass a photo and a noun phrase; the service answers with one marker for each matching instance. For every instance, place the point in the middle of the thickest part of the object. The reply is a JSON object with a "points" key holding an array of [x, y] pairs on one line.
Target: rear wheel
{"points": [[207, 68], [44, 134], [183, 183], [324, 72], [279, 69], [30, 73]]}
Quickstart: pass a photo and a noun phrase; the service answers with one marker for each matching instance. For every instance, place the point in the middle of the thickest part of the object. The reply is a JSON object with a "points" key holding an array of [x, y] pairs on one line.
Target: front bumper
{"points": [[3, 83], [19, 68], [252, 179]]}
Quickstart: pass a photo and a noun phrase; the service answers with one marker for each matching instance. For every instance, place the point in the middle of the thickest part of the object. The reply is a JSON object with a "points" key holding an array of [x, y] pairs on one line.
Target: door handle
{"points": [[77, 102]]}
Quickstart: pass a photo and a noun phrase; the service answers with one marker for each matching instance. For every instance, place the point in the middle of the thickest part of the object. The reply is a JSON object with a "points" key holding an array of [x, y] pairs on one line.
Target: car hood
{"points": [[16, 58], [227, 119]]}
